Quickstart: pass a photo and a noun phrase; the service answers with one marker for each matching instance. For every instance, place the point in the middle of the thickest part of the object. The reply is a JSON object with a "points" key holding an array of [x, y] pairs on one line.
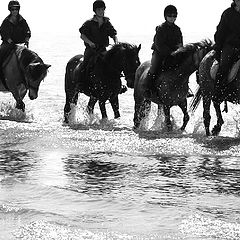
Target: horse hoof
{"points": [[65, 120], [136, 126], [21, 107], [216, 130], [89, 110], [117, 115]]}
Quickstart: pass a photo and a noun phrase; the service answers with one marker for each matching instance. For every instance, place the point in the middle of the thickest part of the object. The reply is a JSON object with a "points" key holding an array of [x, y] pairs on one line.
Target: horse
{"points": [[121, 57], [22, 70], [207, 92], [171, 85]]}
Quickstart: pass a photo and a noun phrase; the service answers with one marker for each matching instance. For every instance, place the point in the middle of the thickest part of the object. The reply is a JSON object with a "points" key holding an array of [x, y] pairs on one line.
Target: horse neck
{"points": [[26, 56], [186, 69], [113, 63]]}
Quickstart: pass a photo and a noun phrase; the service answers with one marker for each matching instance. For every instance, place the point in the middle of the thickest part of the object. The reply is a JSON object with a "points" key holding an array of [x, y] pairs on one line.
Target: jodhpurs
{"points": [[156, 62]]}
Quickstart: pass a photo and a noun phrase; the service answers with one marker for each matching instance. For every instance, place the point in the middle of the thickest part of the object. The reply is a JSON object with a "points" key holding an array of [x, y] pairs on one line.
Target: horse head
{"points": [[33, 69], [130, 62], [125, 55], [35, 73]]}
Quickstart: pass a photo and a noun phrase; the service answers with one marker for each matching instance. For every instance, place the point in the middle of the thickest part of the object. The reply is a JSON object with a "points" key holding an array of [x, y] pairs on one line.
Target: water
{"points": [[97, 179]]}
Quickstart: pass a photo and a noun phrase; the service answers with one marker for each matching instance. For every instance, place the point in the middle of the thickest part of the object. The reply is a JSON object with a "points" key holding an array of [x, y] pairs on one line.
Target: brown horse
{"points": [[23, 71], [171, 85], [122, 57], [206, 92]]}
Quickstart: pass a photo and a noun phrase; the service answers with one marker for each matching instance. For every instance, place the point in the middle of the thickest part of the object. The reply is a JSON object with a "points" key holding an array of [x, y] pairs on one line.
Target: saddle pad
{"points": [[232, 74]]}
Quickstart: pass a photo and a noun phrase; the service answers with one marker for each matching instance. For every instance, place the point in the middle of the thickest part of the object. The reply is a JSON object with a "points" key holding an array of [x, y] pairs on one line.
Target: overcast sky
{"points": [[130, 17]]}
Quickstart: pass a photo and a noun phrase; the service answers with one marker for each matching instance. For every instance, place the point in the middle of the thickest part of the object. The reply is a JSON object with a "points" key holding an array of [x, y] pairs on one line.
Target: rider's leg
{"points": [[228, 56], [81, 74], [156, 63], [5, 50]]}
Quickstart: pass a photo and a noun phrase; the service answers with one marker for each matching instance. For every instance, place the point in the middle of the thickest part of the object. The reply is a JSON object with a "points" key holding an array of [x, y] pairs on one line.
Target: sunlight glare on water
{"points": [[100, 179]]}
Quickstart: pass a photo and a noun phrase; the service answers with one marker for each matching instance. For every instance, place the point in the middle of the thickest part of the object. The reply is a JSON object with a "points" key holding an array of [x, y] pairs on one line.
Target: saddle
{"points": [[232, 74]]}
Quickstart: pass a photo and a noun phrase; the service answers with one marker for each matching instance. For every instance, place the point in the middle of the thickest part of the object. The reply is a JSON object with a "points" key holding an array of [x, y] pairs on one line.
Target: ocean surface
{"points": [[100, 180]]}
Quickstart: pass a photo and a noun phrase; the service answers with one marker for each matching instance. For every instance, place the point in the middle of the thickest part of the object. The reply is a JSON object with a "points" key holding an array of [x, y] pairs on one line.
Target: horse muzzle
{"points": [[130, 80], [33, 94]]}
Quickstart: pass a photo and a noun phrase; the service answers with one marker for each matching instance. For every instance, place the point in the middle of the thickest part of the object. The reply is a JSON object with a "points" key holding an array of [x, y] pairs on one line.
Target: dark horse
{"points": [[122, 57], [23, 71], [171, 85], [206, 92]]}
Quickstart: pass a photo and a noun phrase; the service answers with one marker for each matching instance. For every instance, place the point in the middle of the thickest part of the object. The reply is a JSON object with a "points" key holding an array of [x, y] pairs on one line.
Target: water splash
{"points": [[9, 112]]}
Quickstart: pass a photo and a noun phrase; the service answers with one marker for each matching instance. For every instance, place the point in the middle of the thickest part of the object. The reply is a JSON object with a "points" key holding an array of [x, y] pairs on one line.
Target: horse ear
{"points": [[47, 66], [139, 47]]}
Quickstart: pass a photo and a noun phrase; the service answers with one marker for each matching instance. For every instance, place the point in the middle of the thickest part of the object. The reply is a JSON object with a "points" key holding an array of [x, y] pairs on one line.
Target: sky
{"points": [[129, 17]]}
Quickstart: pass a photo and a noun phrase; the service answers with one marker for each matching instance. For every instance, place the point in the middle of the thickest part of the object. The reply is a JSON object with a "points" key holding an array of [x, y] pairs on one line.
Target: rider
{"points": [[95, 33], [227, 42], [14, 30], [167, 39]]}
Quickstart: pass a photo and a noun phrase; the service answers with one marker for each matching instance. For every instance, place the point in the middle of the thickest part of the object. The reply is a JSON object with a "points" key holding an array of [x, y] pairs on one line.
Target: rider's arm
{"points": [[5, 31], [86, 40], [27, 32]]}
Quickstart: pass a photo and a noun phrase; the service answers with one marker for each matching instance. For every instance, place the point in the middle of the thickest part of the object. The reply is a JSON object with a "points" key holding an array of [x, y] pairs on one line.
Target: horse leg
{"points": [[20, 105], [91, 103], [70, 98], [206, 113], [217, 128], [19, 102], [168, 123], [183, 106], [102, 106], [141, 110], [115, 106]]}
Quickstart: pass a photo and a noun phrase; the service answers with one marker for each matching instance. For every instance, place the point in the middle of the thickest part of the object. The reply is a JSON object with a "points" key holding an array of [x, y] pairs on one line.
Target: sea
{"points": [[95, 179]]}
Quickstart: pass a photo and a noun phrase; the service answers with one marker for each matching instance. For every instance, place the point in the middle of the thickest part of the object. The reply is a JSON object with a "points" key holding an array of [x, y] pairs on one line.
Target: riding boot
{"points": [[150, 83]]}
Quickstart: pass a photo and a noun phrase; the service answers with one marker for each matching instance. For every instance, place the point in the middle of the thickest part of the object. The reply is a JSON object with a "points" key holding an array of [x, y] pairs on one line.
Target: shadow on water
{"points": [[218, 143], [223, 173], [102, 173], [152, 135], [94, 173], [15, 163]]}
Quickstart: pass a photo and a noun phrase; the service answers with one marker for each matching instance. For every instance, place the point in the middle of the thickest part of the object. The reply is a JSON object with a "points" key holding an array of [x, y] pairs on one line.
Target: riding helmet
{"points": [[169, 10], [98, 4], [12, 4]]}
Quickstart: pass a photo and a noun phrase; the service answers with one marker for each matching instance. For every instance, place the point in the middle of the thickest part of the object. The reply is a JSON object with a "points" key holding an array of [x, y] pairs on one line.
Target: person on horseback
{"points": [[227, 43], [168, 38], [13, 30], [95, 33]]}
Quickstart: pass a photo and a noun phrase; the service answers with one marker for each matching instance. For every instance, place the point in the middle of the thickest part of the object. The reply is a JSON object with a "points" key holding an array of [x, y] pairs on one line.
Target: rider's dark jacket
{"points": [[168, 38], [17, 32], [228, 29], [98, 35]]}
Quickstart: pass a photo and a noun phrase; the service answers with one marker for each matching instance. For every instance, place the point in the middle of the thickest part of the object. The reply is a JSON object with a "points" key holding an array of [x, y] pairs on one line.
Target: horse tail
{"points": [[196, 100]]}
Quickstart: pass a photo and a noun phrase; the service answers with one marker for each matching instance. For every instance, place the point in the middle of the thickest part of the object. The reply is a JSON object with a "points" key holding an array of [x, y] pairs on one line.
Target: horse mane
{"points": [[116, 48], [182, 53], [27, 56]]}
